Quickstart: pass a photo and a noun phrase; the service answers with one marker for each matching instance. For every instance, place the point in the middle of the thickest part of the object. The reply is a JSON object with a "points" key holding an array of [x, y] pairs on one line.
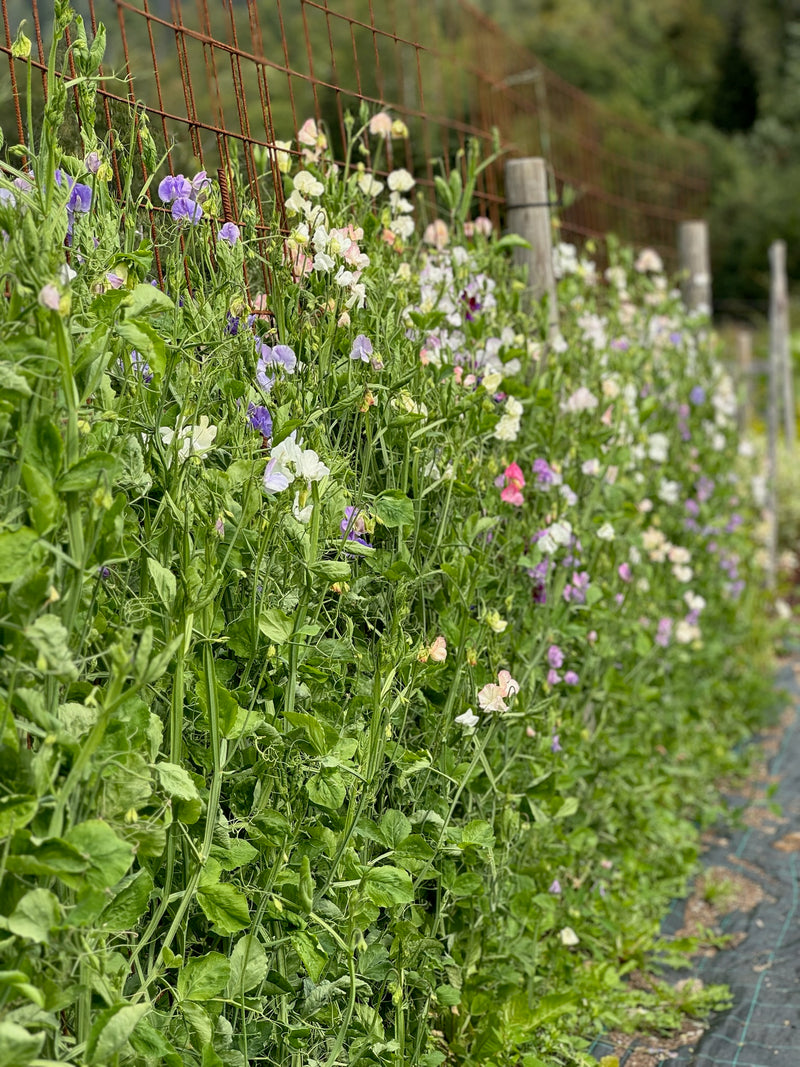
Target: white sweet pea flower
{"points": [[400, 181], [307, 184], [310, 467], [467, 718], [606, 532], [369, 185], [194, 440]]}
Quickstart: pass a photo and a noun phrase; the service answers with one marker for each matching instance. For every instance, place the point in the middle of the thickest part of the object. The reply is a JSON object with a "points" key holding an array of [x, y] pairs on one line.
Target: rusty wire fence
{"points": [[218, 84]]}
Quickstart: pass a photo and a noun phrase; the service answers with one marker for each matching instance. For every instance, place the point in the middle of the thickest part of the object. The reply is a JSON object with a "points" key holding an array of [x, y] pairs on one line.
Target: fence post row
{"points": [[528, 205], [695, 264]]}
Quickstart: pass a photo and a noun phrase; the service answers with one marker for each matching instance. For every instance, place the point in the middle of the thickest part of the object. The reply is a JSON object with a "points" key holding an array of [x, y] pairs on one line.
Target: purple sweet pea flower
{"points": [[553, 677], [201, 185], [555, 744], [353, 526], [664, 632], [174, 186], [276, 356], [260, 419], [571, 678], [7, 198], [555, 887], [362, 348], [229, 232], [698, 395], [555, 657], [184, 208], [543, 471], [80, 198]]}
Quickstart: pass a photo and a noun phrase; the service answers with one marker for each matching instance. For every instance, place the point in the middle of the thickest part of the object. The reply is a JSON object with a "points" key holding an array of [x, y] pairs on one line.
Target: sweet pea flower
{"points": [[555, 744], [555, 657], [624, 571], [362, 348], [467, 718], [380, 125], [194, 440], [353, 525], [436, 234], [174, 186], [438, 650], [260, 419], [555, 887], [508, 686], [184, 209], [515, 482], [571, 678], [490, 698], [229, 232]]}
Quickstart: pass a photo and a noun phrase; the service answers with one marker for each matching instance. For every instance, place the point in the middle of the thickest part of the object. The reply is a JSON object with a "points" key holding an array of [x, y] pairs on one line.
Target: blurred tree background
{"points": [[723, 72]]}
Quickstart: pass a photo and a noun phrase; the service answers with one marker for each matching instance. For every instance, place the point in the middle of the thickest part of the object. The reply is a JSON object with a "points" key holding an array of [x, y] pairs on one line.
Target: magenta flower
{"points": [[571, 678], [624, 571], [553, 677]]}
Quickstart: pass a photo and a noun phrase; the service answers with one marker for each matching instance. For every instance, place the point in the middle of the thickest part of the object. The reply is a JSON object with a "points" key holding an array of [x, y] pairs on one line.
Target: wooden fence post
{"points": [[695, 264], [779, 337], [528, 200], [744, 358]]}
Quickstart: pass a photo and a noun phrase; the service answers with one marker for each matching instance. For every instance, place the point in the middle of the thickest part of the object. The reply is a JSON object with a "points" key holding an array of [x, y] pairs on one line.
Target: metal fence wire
{"points": [[221, 82]]}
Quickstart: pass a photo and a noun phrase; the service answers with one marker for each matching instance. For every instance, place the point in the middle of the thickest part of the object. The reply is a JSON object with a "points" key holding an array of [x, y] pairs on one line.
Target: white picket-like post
{"points": [[779, 337]]}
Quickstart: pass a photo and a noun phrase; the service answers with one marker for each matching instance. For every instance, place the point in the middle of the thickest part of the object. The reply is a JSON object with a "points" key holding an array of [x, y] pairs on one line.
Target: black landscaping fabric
{"points": [[762, 1029]]}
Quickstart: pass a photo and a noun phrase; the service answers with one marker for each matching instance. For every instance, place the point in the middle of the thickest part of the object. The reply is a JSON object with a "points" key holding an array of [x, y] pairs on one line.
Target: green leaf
{"points": [[477, 833], [50, 856], [96, 468], [50, 639], [17, 1046], [248, 966], [327, 789], [312, 956], [393, 508], [332, 570], [395, 827], [16, 811], [35, 916], [176, 781], [512, 240], [387, 886], [17, 553], [163, 580], [109, 857], [146, 300], [568, 807], [12, 383], [18, 982], [225, 907], [141, 336], [129, 904], [276, 625], [204, 977], [111, 1031], [448, 995]]}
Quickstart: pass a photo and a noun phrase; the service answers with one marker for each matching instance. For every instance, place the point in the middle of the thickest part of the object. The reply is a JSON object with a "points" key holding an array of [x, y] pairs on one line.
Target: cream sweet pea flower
{"points": [[194, 440]]}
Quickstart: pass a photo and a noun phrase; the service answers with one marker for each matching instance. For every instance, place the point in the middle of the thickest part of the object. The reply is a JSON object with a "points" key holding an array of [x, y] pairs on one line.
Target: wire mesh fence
{"points": [[224, 83]]}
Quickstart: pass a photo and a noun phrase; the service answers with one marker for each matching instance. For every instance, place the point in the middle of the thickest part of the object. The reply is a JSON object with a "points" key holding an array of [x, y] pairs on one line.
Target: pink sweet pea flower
{"points": [[515, 482], [508, 686]]}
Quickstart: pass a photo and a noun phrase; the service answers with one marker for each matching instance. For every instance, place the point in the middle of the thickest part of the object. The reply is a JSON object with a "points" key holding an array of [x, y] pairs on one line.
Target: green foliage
{"points": [[382, 735]]}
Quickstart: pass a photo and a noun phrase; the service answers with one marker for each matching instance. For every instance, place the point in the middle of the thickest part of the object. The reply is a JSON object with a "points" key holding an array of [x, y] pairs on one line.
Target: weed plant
{"points": [[368, 661]]}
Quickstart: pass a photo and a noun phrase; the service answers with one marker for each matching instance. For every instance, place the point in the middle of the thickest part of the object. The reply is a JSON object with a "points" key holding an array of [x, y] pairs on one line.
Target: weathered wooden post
{"points": [[773, 403], [695, 264], [528, 200], [779, 337], [744, 360]]}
